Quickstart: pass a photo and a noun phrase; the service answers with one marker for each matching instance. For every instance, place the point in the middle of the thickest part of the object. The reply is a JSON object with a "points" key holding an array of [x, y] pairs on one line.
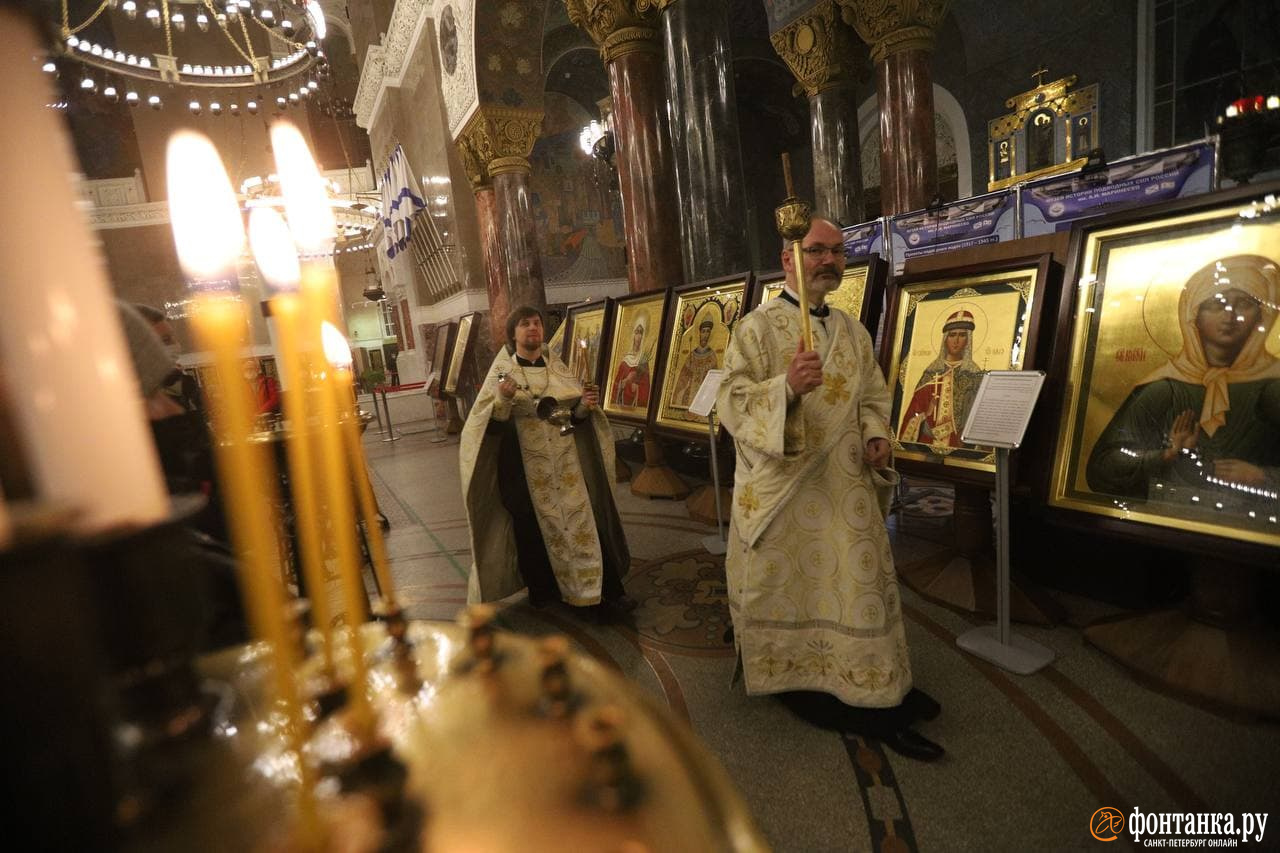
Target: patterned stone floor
{"points": [[1029, 761]]}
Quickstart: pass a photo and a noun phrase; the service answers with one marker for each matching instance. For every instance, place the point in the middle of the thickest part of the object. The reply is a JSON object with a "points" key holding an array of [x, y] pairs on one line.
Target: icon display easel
{"points": [[433, 388], [704, 405], [998, 418]]}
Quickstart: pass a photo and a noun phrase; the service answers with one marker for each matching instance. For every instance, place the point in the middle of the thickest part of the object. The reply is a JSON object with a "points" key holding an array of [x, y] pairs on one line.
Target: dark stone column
{"points": [[704, 137], [901, 36], [499, 298], [828, 60], [908, 149], [519, 262], [495, 147], [645, 171], [626, 31], [837, 158]]}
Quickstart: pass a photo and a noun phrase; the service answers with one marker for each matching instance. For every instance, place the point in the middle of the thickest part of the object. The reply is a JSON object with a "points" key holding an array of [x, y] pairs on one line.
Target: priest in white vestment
{"points": [[813, 592], [539, 499]]}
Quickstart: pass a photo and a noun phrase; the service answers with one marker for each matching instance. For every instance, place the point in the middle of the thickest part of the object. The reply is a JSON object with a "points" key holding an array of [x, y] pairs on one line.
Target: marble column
{"points": [[518, 258], [828, 60], [837, 157], [495, 145], [901, 36], [703, 117], [628, 42], [499, 299], [908, 148]]}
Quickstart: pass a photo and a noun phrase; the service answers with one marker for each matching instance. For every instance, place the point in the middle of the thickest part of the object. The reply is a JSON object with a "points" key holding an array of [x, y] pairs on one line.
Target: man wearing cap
{"points": [[812, 588], [939, 406]]}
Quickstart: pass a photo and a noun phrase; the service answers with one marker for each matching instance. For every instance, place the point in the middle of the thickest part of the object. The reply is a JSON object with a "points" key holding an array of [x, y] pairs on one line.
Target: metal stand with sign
{"points": [[704, 405], [998, 418]]}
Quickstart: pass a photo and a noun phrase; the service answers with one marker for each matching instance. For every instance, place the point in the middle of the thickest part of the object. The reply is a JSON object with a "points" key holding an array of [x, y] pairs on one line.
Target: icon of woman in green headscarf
{"points": [[1210, 417]]}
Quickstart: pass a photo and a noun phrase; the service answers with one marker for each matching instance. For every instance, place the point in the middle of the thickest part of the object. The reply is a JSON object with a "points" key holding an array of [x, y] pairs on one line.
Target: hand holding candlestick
{"points": [[792, 218]]}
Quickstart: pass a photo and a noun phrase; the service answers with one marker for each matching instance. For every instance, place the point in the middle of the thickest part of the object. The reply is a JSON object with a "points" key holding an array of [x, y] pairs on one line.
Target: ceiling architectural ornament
{"points": [[391, 64], [646, 5], [455, 29], [819, 49], [619, 27], [408, 23], [369, 90], [498, 140], [892, 26], [128, 216]]}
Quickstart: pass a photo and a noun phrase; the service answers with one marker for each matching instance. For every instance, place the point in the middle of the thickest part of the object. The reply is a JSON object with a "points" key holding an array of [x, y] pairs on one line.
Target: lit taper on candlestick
{"points": [[277, 260], [209, 235], [312, 225]]}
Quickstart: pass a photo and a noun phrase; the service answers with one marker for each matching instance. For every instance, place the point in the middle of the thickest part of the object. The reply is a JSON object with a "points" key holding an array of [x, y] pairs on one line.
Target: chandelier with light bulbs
{"points": [[355, 214], [270, 51]]}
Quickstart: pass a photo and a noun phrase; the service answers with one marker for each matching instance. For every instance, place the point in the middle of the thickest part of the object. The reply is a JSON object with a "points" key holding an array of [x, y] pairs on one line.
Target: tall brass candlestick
{"points": [[278, 261], [792, 219], [209, 236]]}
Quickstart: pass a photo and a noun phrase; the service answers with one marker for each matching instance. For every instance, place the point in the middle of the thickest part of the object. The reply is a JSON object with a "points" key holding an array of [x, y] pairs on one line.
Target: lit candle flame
{"points": [[272, 246], [305, 199], [336, 349], [202, 208]]}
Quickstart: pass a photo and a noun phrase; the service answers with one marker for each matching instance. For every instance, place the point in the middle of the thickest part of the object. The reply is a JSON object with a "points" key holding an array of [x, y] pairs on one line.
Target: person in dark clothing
{"points": [[536, 456]]}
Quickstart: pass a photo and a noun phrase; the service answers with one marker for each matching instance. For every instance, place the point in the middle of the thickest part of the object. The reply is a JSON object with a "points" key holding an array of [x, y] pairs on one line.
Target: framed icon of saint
{"points": [[700, 321], [634, 334], [1171, 412], [945, 330]]}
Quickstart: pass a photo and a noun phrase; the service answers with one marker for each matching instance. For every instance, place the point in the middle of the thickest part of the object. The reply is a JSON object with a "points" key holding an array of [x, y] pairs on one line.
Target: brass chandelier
{"points": [[268, 50]]}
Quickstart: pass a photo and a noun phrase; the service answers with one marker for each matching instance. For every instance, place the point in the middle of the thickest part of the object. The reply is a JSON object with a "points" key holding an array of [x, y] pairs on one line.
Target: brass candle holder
{"points": [[792, 218]]}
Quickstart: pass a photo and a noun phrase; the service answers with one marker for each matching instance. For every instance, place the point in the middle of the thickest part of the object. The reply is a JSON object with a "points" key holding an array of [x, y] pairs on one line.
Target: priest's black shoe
{"points": [[623, 603], [919, 705], [912, 744]]}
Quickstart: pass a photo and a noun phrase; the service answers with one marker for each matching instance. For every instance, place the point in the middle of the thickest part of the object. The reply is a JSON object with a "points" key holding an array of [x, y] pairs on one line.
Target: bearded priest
{"points": [[813, 592], [536, 455]]}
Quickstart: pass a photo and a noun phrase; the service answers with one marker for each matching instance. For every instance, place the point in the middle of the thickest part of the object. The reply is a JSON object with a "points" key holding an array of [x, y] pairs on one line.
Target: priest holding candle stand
{"points": [[536, 455]]}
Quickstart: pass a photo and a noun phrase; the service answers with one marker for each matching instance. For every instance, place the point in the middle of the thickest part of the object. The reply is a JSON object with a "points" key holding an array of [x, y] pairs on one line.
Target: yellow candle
{"points": [[312, 225], [209, 236], [278, 262], [338, 353]]}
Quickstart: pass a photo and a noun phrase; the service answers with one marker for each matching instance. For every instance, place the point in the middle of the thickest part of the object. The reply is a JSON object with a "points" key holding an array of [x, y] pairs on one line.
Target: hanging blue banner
{"points": [[1052, 204], [864, 239], [973, 221]]}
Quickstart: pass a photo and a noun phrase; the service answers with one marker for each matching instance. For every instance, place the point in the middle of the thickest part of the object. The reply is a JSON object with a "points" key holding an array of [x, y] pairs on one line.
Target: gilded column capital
{"points": [[472, 161], [618, 26], [892, 26], [819, 49], [497, 140]]}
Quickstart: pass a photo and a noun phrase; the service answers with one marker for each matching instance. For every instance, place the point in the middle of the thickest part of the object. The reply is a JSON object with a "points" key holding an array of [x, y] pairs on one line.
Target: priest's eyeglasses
{"points": [[817, 252]]}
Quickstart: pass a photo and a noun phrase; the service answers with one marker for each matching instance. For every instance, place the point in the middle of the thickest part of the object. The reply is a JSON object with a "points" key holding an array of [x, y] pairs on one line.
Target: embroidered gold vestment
{"points": [[557, 485], [812, 588]]}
